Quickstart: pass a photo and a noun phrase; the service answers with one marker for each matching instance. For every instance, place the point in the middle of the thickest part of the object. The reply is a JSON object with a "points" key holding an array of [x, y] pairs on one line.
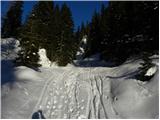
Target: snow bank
{"points": [[135, 100], [25, 73]]}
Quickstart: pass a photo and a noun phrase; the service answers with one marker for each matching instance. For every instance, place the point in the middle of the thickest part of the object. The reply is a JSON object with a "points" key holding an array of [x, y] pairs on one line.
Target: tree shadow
{"points": [[130, 75], [7, 71], [93, 63]]}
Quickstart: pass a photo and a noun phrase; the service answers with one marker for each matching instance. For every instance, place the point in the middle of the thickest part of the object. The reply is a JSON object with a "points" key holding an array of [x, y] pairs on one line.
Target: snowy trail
{"points": [[81, 93], [63, 101], [76, 92], [50, 81], [42, 94]]}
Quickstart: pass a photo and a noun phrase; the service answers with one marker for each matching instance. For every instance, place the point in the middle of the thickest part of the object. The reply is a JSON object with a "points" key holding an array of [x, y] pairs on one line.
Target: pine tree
{"points": [[94, 36], [127, 30], [12, 20], [78, 38], [28, 55], [66, 50], [55, 32], [35, 34]]}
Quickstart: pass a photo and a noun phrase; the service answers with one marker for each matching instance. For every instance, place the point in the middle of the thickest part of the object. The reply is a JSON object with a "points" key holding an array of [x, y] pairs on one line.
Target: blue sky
{"points": [[82, 11]]}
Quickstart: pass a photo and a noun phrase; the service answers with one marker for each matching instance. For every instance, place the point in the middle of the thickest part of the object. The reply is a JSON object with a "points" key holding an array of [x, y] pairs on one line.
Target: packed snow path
{"points": [[78, 92], [75, 94]]}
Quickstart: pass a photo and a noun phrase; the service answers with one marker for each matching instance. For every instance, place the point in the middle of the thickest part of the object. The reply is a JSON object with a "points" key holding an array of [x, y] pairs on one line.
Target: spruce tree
{"points": [[66, 50], [95, 34], [28, 55], [55, 32], [127, 30], [35, 34], [12, 21]]}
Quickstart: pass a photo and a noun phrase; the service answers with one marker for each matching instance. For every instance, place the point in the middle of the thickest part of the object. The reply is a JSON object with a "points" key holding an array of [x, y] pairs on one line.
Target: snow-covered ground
{"points": [[82, 92]]}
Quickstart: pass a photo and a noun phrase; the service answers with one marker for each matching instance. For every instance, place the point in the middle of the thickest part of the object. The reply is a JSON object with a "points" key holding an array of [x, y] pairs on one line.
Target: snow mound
{"points": [[25, 73], [44, 61]]}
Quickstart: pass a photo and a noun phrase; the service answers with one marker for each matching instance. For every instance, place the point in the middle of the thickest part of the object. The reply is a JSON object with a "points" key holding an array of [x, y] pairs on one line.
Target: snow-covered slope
{"points": [[78, 92]]}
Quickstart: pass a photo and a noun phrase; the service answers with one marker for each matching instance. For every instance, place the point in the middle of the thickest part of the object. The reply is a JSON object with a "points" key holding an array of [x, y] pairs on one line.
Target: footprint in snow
{"points": [[106, 97], [60, 106], [65, 116], [82, 100], [54, 107], [55, 102], [115, 98], [71, 110], [47, 106], [65, 101], [82, 108], [49, 103], [82, 117], [57, 92], [62, 97], [40, 107], [52, 113], [78, 106]]}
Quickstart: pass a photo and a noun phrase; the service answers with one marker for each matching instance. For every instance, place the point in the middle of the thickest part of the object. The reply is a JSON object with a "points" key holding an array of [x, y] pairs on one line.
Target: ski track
{"points": [[48, 82], [55, 107]]}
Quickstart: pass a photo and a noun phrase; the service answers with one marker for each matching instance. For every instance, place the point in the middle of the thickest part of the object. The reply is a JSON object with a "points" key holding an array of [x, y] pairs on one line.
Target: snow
{"points": [[9, 48], [81, 52], [74, 92], [25, 73], [44, 61], [151, 71], [79, 92]]}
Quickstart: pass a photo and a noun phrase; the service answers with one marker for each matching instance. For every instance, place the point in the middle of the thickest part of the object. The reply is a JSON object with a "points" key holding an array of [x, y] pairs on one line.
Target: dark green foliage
{"points": [[50, 28], [29, 44], [12, 21], [35, 34], [147, 63], [94, 36], [65, 50], [121, 30], [124, 29]]}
